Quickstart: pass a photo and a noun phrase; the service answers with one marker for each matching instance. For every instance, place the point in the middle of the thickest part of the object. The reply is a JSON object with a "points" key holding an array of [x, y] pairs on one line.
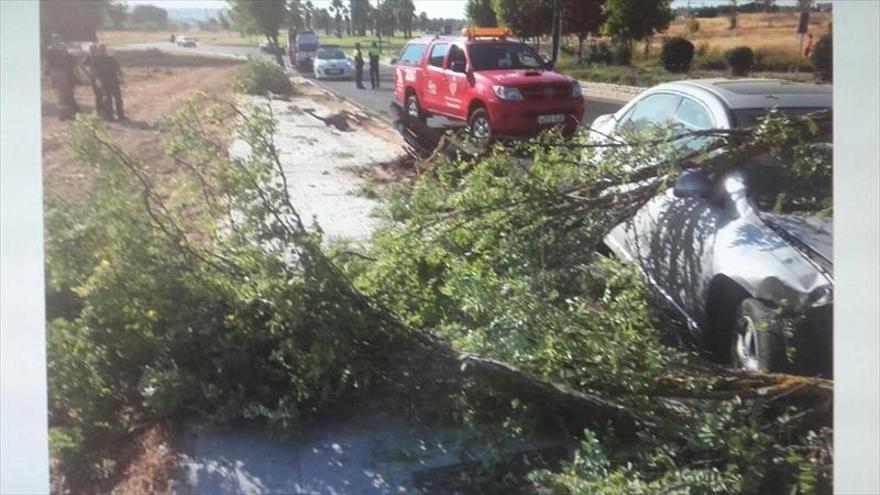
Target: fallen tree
{"points": [[208, 295]]}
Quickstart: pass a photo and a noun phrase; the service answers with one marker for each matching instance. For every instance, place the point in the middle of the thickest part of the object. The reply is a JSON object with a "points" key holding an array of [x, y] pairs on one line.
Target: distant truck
{"points": [[305, 49]]}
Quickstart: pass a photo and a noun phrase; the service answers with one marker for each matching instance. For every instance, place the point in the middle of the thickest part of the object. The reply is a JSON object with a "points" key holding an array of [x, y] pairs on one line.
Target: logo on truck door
{"points": [[432, 88], [453, 86]]}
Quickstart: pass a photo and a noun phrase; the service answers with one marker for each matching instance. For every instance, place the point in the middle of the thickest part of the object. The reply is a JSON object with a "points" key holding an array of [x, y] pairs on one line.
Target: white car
{"points": [[331, 62], [186, 42]]}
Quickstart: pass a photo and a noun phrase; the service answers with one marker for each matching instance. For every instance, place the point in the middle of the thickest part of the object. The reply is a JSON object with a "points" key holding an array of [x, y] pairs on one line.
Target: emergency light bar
{"points": [[486, 32]]}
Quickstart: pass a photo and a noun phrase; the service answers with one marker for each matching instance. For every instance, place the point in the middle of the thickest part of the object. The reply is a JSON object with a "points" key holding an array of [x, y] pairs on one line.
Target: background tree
{"points": [[423, 21], [309, 13], [261, 17], [149, 15], [72, 21], [223, 21], [527, 18], [360, 16], [116, 15], [336, 8], [627, 21], [386, 17], [733, 11], [323, 21], [406, 11], [481, 13], [295, 17], [582, 18]]}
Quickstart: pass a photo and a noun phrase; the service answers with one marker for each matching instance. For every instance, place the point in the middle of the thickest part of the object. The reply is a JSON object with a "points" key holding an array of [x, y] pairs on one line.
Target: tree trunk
{"points": [[581, 49]]}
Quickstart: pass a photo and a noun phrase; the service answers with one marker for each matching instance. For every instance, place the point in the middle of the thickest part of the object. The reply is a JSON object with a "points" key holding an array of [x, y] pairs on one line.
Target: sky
{"points": [[434, 8]]}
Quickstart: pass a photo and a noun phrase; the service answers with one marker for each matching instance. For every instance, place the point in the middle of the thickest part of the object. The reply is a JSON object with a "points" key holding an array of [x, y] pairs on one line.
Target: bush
{"points": [[599, 53], [822, 58], [622, 54], [259, 76], [677, 55], [693, 25], [741, 60], [708, 58]]}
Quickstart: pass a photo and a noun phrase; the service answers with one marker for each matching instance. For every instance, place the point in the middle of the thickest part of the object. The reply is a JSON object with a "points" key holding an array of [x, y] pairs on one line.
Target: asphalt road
{"points": [[377, 100]]}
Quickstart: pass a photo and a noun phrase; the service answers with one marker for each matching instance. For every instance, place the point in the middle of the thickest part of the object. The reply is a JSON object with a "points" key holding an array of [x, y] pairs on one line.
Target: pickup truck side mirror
{"points": [[393, 60], [548, 64], [692, 184]]}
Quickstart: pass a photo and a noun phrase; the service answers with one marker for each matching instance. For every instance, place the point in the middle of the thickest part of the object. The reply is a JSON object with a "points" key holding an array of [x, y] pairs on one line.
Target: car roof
{"points": [[463, 40], [739, 94]]}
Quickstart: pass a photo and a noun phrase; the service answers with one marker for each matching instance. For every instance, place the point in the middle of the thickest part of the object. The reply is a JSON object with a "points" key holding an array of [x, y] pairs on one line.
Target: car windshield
{"points": [[503, 56], [797, 181], [306, 47], [333, 54]]}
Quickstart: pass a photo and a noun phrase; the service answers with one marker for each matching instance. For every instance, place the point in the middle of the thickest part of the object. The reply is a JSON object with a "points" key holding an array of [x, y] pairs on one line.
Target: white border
{"points": [[24, 459], [856, 28]]}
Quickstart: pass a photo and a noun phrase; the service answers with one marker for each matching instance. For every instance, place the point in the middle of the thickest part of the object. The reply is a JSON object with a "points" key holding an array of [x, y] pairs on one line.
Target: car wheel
{"points": [[480, 127], [412, 107], [757, 343]]}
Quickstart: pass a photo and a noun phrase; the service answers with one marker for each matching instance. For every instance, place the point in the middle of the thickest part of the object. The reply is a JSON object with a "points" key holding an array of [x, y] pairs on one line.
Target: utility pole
{"points": [[555, 31]]}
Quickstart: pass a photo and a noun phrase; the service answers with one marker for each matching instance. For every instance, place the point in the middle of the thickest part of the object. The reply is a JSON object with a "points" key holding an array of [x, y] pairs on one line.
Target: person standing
{"points": [[88, 64], [374, 65], [358, 66], [809, 48], [60, 66], [108, 72]]}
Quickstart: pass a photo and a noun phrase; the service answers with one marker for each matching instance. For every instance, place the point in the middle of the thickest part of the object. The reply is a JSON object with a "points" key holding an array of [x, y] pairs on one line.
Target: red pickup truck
{"points": [[499, 87]]}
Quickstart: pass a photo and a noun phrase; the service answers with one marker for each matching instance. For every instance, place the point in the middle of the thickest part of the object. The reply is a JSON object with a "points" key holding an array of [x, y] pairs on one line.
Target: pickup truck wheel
{"points": [[757, 342], [478, 122], [412, 107]]}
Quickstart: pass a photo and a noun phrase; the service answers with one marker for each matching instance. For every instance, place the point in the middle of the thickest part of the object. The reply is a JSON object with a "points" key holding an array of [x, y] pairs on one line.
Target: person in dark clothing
{"points": [[60, 67], [358, 66], [108, 73], [374, 65], [88, 64]]}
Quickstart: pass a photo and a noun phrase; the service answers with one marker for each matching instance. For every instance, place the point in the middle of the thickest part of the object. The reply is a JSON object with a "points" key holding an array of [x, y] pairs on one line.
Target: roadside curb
{"points": [[609, 91]]}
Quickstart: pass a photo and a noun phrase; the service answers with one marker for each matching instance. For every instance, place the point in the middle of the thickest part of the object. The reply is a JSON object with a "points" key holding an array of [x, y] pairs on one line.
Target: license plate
{"points": [[555, 118], [333, 72]]}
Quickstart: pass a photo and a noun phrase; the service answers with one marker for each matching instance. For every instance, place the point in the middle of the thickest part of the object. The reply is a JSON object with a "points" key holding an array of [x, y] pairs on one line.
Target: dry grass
{"points": [[776, 33], [209, 37]]}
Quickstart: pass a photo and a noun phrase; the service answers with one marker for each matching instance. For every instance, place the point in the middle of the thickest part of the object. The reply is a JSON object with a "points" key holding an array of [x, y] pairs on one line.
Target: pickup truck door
{"points": [[456, 87], [436, 80]]}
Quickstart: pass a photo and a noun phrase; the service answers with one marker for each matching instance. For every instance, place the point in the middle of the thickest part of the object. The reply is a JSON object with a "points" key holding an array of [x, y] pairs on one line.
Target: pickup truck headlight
{"points": [[508, 93], [576, 91]]}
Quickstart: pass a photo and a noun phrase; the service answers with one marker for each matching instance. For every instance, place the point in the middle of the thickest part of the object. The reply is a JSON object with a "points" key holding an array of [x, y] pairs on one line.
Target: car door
{"points": [[435, 79], [456, 87], [672, 238]]}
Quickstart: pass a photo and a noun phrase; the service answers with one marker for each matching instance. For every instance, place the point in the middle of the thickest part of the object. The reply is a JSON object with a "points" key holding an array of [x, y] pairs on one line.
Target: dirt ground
{"points": [[152, 86]]}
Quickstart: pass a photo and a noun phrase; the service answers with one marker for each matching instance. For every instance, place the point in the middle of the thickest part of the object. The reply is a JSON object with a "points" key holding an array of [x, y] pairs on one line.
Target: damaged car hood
{"points": [[813, 234]]}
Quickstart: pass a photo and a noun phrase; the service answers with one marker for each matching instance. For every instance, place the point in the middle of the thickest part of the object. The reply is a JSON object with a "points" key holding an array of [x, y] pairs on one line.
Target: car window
{"points": [[412, 54], [438, 53], [456, 54], [691, 116], [656, 109], [748, 117], [333, 54], [503, 56]]}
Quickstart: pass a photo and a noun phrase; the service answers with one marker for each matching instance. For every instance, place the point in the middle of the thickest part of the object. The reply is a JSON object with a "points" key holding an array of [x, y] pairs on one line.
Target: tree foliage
{"points": [[72, 21], [635, 20], [527, 18], [582, 18], [481, 13], [149, 15], [263, 17]]}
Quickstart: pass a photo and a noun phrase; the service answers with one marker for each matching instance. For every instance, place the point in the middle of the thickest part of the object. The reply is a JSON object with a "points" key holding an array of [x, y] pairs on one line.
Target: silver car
{"points": [[753, 280], [331, 62]]}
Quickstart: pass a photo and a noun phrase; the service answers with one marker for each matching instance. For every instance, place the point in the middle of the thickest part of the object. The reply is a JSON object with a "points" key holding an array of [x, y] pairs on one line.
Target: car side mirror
{"points": [[393, 61], [692, 184], [548, 64], [458, 66]]}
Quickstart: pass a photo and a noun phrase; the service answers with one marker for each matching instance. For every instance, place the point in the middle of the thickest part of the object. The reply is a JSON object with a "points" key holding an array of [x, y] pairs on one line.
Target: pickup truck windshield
{"points": [[497, 56]]}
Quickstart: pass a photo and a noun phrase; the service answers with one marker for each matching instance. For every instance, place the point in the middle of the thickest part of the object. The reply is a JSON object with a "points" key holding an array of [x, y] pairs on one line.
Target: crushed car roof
{"points": [[762, 93]]}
